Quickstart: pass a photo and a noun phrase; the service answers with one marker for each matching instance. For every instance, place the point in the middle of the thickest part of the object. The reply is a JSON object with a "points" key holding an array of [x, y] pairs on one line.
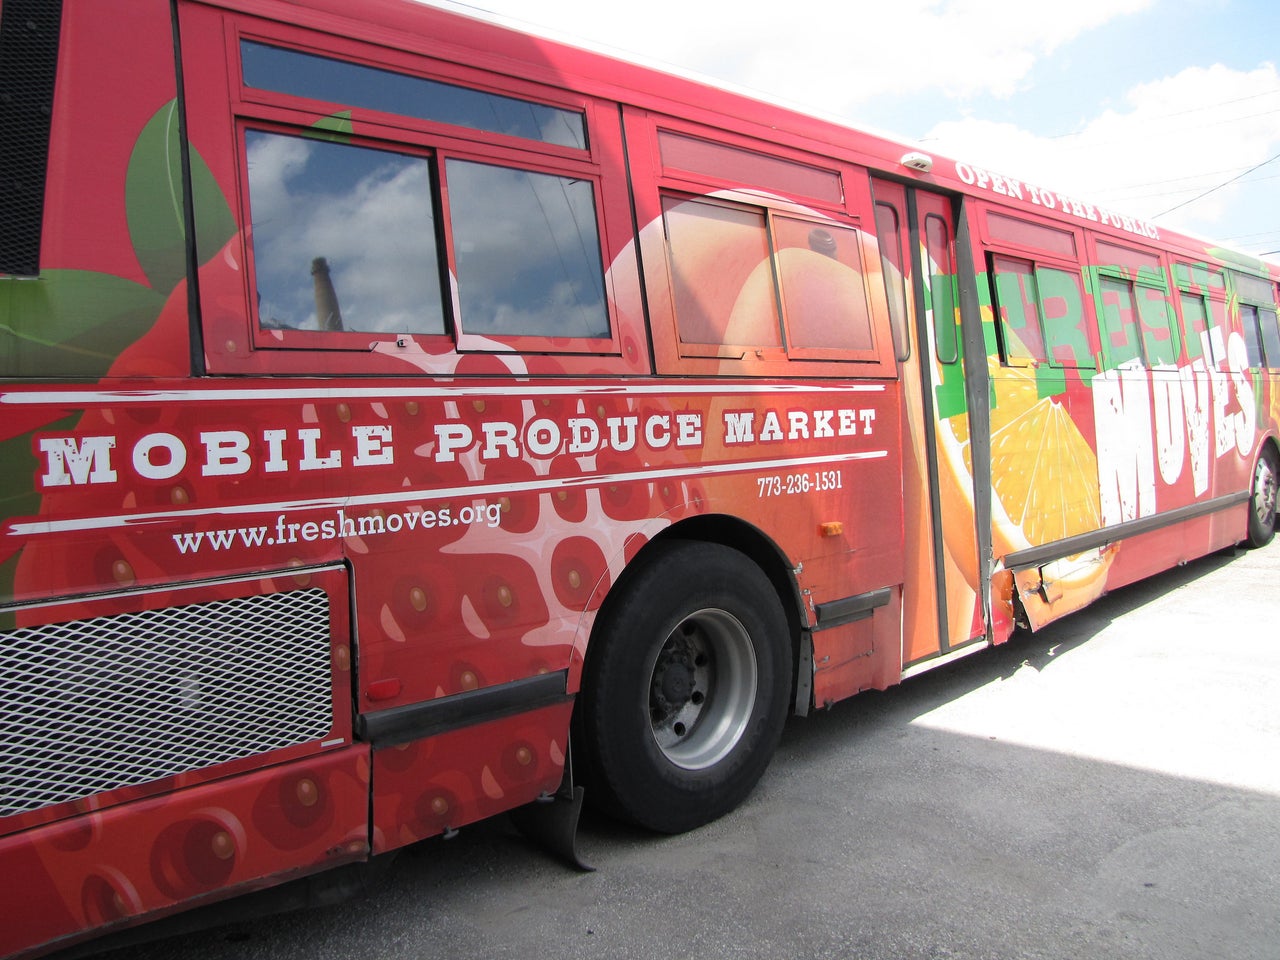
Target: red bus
{"points": [[405, 420]]}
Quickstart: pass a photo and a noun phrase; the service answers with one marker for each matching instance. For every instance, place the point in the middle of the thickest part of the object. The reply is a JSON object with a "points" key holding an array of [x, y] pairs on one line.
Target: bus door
{"points": [[942, 596]]}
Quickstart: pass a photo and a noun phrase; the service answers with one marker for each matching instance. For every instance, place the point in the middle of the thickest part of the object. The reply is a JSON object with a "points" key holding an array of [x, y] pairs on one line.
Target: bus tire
{"points": [[1262, 499], [685, 688]]}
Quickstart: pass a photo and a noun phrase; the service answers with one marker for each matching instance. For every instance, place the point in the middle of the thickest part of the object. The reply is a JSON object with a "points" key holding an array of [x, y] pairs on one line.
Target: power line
{"points": [[1182, 113], [1220, 186], [1260, 236], [1087, 144], [1121, 196], [1201, 176]]}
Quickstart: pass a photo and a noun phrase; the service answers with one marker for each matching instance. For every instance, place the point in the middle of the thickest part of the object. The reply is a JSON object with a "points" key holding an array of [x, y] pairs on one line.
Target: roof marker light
{"points": [[917, 161]]}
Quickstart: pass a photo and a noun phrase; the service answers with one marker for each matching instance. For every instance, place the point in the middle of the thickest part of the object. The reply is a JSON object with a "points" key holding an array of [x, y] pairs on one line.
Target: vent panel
{"points": [[28, 67], [119, 701]]}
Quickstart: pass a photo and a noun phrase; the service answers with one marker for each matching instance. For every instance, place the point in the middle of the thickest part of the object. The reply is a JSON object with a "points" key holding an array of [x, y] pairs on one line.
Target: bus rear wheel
{"points": [[1262, 499], [684, 693]]}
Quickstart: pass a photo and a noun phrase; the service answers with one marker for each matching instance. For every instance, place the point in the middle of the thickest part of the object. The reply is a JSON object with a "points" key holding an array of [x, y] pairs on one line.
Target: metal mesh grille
{"points": [[28, 64], [122, 700]]}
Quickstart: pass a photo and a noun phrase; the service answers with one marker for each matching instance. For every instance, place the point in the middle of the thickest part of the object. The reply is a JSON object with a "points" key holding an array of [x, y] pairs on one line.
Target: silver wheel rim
{"points": [[1264, 492], [702, 687]]}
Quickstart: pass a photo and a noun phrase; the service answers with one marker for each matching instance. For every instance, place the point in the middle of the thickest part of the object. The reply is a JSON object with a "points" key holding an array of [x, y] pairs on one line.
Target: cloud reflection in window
{"points": [[367, 213]]}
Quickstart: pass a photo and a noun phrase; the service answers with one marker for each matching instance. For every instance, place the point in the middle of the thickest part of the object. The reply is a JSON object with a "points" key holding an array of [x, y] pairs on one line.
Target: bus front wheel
{"points": [[1262, 499], [685, 688]]}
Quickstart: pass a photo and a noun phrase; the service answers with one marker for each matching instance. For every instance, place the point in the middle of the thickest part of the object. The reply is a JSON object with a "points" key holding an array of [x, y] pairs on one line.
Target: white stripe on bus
{"points": [[476, 491], [75, 398]]}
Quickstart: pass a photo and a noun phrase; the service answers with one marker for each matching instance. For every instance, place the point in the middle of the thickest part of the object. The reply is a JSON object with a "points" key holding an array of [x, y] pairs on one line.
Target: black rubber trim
{"points": [[388, 728], [196, 328], [804, 674], [835, 613], [919, 271], [1036, 556], [977, 387]]}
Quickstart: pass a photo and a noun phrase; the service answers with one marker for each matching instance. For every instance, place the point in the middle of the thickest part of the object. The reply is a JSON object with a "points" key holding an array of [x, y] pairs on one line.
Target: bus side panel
{"points": [[171, 745], [113, 867], [863, 655], [438, 784], [1100, 423], [116, 77], [113, 698], [113, 245], [110, 298], [1169, 439], [1052, 591]]}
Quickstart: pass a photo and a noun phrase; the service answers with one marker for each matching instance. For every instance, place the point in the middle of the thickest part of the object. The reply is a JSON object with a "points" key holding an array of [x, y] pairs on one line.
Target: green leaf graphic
{"points": [[153, 202], [18, 496], [1239, 259], [8, 568], [215, 223], [336, 127], [71, 323]]}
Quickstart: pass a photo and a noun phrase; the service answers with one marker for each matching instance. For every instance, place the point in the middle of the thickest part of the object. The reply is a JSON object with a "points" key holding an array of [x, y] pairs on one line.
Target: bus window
{"points": [[1201, 277], [342, 237], [889, 235], [1252, 334], [730, 165], [1270, 329], [1121, 337], [541, 274], [1026, 234], [715, 249], [823, 297], [1155, 314], [1135, 323], [1062, 312], [1219, 325], [1017, 299], [1203, 296], [1195, 317], [747, 279], [1042, 317], [352, 84], [1135, 313], [411, 233], [942, 288], [28, 70], [1257, 299]]}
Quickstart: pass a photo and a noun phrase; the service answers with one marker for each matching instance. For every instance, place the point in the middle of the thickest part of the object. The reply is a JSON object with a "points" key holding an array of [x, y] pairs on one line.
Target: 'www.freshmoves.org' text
{"points": [[338, 526]]}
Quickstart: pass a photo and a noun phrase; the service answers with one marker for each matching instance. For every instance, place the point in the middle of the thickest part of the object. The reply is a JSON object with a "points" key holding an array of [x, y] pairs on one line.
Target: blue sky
{"points": [[1138, 105]]}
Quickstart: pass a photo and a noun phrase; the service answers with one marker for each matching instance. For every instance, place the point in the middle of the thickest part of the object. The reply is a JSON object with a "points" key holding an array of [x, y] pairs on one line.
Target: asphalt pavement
{"points": [[1107, 788]]}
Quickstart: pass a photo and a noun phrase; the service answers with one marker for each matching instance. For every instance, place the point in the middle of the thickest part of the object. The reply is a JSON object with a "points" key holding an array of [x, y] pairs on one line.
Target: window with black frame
{"points": [[1258, 319]]}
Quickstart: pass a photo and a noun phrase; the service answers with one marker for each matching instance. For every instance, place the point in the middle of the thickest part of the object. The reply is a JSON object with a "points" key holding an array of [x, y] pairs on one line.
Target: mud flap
{"points": [[552, 823]]}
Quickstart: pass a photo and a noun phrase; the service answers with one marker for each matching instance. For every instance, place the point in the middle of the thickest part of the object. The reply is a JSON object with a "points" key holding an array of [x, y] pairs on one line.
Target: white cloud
{"points": [[1174, 138], [273, 162], [367, 212], [1161, 143], [526, 252], [829, 55]]}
